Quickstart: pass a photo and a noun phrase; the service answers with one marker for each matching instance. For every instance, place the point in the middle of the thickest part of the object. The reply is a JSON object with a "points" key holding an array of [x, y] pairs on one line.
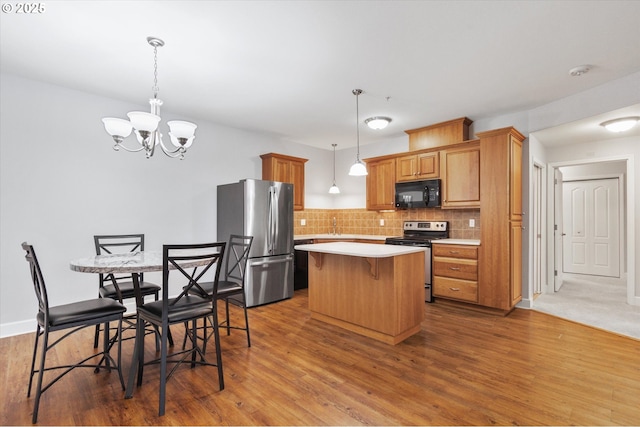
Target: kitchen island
{"points": [[371, 289]]}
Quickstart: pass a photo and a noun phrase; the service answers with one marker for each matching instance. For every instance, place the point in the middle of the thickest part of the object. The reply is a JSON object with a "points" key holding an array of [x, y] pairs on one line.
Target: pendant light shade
{"points": [[334, 188], [358, 168]]}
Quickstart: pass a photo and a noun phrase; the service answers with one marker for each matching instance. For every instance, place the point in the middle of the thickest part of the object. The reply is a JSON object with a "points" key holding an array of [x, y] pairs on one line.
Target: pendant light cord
{"points": [[357, 93]]}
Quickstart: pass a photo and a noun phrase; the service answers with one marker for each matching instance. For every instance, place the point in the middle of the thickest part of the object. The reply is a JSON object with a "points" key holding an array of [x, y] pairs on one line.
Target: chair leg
{"points": [[163, 370], [96, 337], [246, 321], [33, 360], [45, 344], [120, 353], [216, 334], [135, 359], [226, 305]]}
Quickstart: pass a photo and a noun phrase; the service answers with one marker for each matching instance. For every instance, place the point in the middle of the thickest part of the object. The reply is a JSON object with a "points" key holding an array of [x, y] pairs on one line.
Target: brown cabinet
{"points": [[279, 167], [500, 271], [417, 166], [455, 272], [381, 183], [460, 173], [439, 134]]}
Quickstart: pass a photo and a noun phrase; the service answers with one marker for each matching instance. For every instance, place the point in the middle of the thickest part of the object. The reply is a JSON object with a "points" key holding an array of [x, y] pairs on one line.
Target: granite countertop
{"points": [[472, 242], [368, 250], [339, 236]]}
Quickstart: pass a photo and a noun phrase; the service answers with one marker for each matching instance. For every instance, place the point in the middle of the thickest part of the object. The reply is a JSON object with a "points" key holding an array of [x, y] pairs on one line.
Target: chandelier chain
{"points": [[155, 72]]}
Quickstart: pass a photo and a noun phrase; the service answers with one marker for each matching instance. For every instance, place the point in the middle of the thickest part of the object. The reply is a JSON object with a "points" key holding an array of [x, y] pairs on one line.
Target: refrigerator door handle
{"points": [[278, 261], [270, 222], [273, 218]]}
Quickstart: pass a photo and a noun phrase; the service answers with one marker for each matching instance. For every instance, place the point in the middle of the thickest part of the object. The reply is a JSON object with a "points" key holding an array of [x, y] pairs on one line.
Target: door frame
{"points": [[538, 226], [628, 231]]}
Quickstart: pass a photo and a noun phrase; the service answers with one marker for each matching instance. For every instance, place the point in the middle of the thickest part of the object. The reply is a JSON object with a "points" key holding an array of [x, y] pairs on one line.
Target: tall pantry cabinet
{"points": [[500, 271]]}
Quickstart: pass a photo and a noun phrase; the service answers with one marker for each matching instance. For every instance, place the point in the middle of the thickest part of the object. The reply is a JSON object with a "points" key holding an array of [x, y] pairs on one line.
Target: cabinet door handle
{"points": [[454, 268], [454, 252], [454, 289]]}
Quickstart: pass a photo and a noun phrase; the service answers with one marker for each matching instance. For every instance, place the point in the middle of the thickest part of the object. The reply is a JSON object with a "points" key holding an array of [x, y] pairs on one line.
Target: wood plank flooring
{"points": [[463, 368]]}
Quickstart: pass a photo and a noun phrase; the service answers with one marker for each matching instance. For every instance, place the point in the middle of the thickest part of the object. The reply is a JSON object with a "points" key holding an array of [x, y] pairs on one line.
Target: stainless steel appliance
{"points": [[264, 210], [418, 194], [421, 233]]}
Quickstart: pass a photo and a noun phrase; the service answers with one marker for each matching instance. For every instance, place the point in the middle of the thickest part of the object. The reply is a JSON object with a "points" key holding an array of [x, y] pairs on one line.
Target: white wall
{"points": [[61, 183]]}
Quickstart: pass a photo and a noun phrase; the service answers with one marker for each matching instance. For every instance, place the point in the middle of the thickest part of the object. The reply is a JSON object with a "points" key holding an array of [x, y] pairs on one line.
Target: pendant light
{"points": [[334, 188], [358, 168]]}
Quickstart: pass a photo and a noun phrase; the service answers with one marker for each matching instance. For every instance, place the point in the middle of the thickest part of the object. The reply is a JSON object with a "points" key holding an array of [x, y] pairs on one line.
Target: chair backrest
{"points": [[236, 258], [118, 244], [38, 280], [195, 263]]}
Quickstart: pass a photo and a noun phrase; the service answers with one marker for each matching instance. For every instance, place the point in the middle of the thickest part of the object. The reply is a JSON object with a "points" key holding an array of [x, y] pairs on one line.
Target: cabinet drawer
{"points": [[455, 251], [456, 268], [465, 290]]}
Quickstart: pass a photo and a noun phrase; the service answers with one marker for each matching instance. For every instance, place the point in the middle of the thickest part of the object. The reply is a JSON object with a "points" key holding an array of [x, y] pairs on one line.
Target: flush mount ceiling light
{"points": [[334, 188], [579, 70], [378, 122], [620, 125], [358, 168], [145, 125]]}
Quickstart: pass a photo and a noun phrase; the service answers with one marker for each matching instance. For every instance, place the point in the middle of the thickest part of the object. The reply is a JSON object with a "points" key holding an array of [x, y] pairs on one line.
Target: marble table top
{"points": [[134, 262]]}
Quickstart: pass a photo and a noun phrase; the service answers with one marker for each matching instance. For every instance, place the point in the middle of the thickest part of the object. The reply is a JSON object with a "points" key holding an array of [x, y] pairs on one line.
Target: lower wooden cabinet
{"points": [[455, 272]]}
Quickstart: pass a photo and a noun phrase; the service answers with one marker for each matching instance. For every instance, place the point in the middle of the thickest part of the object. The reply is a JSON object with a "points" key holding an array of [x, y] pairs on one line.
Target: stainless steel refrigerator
{"points": [[264, 210]]}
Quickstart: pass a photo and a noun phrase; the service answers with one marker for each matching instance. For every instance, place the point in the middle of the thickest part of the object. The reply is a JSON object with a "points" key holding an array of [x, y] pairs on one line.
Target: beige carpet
{"points": [[595, 301]]}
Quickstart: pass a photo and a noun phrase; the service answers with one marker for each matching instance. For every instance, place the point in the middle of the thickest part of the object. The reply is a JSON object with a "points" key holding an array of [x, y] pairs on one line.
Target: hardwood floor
{"points": [[463, 368]]}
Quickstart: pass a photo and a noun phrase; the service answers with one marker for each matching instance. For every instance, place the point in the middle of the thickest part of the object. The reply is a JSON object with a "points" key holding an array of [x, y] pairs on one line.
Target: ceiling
{"points": [[287, 68]]}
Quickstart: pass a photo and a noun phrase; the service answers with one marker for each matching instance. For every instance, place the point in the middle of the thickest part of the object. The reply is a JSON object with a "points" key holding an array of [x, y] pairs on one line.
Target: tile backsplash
{"points": [[362, 221]]}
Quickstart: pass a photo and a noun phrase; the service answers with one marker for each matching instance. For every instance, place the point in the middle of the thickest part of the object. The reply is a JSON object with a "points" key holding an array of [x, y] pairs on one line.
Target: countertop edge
{"points": [[366, 250], [470, 242]]}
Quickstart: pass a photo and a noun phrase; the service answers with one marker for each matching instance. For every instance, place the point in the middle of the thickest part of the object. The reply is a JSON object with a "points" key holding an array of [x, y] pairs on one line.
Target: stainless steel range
{"points": [[421, 233]]}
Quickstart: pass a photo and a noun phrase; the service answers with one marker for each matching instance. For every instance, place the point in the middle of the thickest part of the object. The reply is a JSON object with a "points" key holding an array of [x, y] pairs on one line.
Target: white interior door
{"points": [[558, 234], [592, 227]]}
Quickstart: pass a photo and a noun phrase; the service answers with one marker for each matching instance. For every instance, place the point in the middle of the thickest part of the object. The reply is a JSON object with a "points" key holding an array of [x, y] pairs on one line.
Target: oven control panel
{"points": [[425, 225]]}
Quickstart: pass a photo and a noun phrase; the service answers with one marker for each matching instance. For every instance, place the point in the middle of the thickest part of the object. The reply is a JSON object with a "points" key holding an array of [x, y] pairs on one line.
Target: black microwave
{"points": [[418, 194]]}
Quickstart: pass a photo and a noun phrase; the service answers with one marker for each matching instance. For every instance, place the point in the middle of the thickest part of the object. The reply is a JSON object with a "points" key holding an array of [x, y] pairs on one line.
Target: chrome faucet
{"points": [[335, 224]]}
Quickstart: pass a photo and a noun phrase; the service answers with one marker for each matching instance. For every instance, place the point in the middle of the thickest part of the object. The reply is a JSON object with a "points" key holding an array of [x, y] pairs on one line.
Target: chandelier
{"points": [[145, 125]]}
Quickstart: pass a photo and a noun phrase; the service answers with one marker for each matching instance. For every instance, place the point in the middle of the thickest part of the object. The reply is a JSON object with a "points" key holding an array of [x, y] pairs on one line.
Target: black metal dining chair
{"points": [[231, 287], [188, 307], [72, 317], [120, 287]]}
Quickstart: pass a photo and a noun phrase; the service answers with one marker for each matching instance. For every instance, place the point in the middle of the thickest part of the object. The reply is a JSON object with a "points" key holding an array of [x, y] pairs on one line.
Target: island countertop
{"points": [[368, 250]]}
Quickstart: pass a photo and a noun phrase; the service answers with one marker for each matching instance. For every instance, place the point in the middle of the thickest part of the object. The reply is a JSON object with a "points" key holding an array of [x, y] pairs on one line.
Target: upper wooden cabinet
{"points": [[279, 167], [381, 185], [439, 134], [460, 173], [418, 166]]}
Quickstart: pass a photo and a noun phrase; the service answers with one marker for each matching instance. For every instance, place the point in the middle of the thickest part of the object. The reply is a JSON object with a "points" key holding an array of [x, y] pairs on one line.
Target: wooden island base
{"points": [[381, 298]]}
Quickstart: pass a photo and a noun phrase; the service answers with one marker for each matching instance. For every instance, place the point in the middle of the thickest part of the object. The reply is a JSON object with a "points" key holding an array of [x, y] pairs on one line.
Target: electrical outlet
{"points": [[382, 223], [303, 222], [472, 223]]}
